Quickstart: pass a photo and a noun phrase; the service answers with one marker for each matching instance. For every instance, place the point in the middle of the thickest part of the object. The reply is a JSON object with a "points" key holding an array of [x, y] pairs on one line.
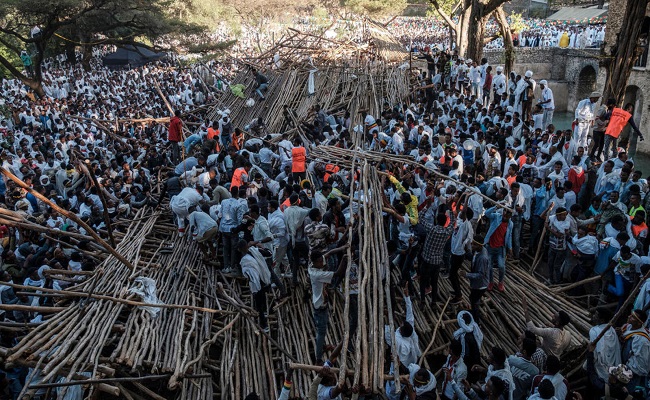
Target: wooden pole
{"points": [[630, 298], [111, 298], [435, 330], [112, 380], [68, 214], [102, 198]]}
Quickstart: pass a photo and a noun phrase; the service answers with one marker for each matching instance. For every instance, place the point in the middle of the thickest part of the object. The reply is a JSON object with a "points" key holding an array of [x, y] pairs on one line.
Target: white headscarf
{"points": [[465, 328]]}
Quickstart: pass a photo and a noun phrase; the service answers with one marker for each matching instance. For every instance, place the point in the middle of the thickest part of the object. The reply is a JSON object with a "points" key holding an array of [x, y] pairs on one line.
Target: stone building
{"points": [[571, 73]]}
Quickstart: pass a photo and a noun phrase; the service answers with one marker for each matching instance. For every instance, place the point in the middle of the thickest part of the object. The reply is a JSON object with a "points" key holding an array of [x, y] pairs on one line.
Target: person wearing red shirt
{"points": [[175, 136]]}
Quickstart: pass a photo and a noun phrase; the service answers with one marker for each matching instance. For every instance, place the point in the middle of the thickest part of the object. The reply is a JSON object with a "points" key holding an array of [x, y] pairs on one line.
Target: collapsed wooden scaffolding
{"points": [[206, 343]]}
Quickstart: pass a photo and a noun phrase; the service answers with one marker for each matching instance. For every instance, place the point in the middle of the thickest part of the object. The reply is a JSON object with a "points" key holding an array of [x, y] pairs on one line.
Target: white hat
{"points": [[469, 61], [529, 74], [499, 69], [595, 94], [543, 82]]}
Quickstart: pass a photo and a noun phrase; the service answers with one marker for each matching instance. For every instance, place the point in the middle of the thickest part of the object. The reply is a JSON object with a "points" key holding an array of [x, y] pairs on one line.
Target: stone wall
{"points": [[562, 68]]}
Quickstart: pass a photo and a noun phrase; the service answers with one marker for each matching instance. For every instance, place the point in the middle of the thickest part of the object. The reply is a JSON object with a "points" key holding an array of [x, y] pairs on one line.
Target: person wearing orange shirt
{"points": [[298, 161], [240, 175], [213, 134], [238, 139], [330, 169], [639, 229], [619, 119]]}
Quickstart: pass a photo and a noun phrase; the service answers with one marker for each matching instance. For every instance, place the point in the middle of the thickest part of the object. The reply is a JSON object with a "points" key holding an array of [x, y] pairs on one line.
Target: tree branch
{"points": [[14, 71], [444, 15], [492, 5], [9, 46], [488, 39]]}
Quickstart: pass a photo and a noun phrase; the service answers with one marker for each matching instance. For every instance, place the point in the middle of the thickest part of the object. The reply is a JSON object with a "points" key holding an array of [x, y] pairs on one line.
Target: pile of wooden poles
{"points": [[100, 329], [337, 88]]}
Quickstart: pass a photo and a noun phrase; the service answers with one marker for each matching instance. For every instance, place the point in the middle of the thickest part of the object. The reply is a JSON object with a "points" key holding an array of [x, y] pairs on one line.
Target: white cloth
{"points": [[465, 328], [146, 289], [318, 279], [200, 223], [254, 267], [607, 352], [407, 348]]}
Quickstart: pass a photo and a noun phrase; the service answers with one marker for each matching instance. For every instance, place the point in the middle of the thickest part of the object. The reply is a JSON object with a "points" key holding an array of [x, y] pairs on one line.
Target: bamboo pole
{"points": [[102, 197], [68, 214], [67, 293]]}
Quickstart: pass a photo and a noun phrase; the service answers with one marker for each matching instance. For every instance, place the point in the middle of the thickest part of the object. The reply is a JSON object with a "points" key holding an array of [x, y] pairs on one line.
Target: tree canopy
{"points": [[40, 26], [375, 8]]}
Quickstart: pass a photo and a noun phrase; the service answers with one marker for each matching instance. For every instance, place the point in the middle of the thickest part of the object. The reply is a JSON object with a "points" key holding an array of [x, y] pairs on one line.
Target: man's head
{"points": [[553, 365], [601, 315], [497, 357], [546, 389], [315, 215], [242, 246], [317, 259], [561, 319], [406, 330], [636, 319], [421, 378], [455, 348], [594, 97], [477, 243], [528, 347]]}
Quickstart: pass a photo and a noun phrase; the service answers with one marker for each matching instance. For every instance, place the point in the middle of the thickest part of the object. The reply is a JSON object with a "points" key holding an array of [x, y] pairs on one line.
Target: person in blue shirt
{"points": [[188, 164], [542, 196], [498, 240]]}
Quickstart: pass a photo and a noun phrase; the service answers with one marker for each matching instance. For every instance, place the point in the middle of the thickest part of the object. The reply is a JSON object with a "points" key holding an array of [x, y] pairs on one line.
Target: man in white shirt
{"points": [[607, 352], [584, 118], [204, 230], [636, 348], [547, 102], [284, 149], [475, 79], [267, 155], [319, 277], [254, 268], [499, 83]]}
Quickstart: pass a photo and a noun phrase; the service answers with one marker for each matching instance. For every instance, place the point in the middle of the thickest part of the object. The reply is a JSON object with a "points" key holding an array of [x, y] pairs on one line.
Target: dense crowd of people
{"points": [[418, 33], [260, 208]]}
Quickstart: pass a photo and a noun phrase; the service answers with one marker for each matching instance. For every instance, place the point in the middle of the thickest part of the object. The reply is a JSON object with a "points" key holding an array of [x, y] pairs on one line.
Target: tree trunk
{"points": [[476, 31], [462, 37], [452, 38], [36, 86], [87, 55], [625, 52], [70, 53], [509, 49], [35, 83]]}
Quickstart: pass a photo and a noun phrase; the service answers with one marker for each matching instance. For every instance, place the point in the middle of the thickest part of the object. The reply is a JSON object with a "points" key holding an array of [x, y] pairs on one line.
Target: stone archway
{"points": [[586, 82]]}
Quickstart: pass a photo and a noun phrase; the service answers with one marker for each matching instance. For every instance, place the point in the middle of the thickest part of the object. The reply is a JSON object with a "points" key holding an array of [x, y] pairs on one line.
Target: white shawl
{"points": [[468, 328]]}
